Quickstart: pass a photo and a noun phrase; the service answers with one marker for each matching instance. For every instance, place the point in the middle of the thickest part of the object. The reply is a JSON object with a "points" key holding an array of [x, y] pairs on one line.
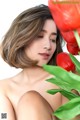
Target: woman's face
{"points": [[44, 45]]}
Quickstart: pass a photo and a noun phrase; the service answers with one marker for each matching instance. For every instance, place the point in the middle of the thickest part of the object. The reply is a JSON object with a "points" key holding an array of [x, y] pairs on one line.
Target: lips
{"points": [[44, 55]]}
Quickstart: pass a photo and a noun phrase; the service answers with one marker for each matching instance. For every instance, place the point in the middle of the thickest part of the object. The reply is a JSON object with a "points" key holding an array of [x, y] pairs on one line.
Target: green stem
{"points": [[77, 37]]}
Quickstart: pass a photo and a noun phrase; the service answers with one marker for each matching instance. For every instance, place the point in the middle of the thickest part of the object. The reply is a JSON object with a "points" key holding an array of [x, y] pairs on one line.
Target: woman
{"points": [[32, 40]]}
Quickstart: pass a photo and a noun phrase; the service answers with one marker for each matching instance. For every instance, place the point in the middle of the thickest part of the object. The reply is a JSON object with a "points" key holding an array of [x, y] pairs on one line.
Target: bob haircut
{"points": [[26, 27]]}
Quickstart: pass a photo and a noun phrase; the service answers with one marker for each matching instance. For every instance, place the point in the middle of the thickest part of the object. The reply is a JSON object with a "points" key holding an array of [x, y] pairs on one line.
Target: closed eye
{"points": [[53, 40], [40, 36]]}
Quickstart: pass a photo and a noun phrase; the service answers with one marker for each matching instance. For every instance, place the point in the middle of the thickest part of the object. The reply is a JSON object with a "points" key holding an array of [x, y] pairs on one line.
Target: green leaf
{"points": [[69, 110], [65, 80], [62, 84], [65, 93], [77, 37], [76, 62]]}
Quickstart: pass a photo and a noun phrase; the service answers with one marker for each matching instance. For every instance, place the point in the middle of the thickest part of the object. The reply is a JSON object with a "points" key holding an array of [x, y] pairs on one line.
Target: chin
{"points": [[41, 64]]}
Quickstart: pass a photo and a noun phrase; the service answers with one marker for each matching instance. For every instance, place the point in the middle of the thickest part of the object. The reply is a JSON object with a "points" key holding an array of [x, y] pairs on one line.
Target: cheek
{"points": [[53, 48], [31, 51], [33, 46]]}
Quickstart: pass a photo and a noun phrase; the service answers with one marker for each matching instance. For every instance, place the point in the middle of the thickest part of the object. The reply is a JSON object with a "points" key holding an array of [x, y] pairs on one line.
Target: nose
{"points": [[47, 44]]}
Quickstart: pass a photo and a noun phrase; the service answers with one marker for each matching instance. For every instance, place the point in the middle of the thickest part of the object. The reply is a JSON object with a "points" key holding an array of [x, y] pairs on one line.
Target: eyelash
{"points": [[40, 36], [53, 40], [50, 39]]}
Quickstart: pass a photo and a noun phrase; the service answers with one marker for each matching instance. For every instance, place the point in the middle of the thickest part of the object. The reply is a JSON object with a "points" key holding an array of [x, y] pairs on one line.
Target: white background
{"points": [[9, 9]]}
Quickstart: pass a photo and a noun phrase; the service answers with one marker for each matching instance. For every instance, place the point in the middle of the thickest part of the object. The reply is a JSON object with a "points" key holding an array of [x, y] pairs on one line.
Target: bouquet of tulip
{"points": [[66, 14], [67, 18], [67, 81]]}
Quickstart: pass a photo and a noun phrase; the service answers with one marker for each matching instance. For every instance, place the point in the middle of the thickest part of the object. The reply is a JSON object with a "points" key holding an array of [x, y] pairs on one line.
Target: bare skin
{"points": [[13, 89], [37, 107], [26, 98]]}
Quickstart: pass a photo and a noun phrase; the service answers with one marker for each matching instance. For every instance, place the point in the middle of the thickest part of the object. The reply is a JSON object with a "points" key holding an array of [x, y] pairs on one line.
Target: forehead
{"points": [[50, 25]]}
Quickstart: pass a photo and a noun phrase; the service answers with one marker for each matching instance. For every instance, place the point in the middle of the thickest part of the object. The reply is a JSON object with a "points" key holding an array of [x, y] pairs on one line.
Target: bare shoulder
{"points": [[4, 84], [5, 104]]}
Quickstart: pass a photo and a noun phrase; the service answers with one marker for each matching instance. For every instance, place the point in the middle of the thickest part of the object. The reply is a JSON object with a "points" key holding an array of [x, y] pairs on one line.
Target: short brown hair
{"points": [[25, 27]]}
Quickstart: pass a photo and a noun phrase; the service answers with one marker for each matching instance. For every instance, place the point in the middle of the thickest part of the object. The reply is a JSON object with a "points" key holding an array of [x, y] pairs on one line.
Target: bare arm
{"points": [[6, 107]]}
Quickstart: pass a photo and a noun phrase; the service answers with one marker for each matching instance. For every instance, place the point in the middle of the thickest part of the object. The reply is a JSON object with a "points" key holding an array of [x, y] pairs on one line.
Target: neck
{"points": [[33, 74]]}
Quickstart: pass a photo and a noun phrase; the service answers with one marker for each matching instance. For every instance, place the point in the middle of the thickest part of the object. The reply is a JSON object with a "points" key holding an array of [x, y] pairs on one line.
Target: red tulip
{"points": [[65, 13], [72, 45], [73, 48], [69, 36], [63, 60]]}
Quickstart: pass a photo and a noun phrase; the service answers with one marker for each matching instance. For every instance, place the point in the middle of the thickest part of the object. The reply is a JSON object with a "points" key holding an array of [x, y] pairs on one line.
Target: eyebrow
{"points": [[53, 33]]}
